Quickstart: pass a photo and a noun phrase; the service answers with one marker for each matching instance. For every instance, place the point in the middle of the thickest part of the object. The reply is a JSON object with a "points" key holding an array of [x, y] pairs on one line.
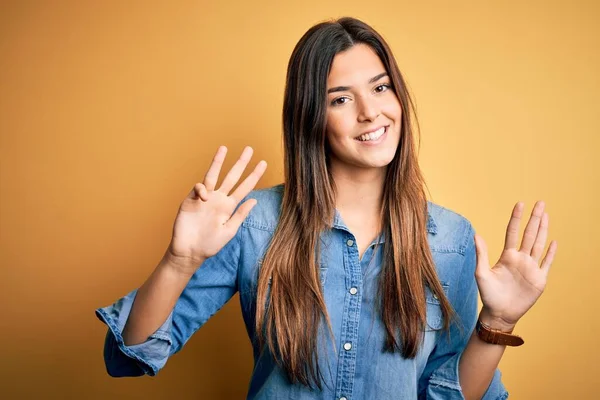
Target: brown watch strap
{"points": [[495, 336]]}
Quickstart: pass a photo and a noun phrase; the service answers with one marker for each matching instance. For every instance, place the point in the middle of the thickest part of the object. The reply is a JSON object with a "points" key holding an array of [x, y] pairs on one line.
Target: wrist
{"points": [[183, 266], [496, 322]]}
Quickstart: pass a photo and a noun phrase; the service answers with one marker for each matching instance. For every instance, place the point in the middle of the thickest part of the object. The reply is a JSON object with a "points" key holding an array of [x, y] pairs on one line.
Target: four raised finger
{"points": [[236, 171], [540, 240], [250, 182], [212, 175], [547, 261], [512, 231], [532, 228]]}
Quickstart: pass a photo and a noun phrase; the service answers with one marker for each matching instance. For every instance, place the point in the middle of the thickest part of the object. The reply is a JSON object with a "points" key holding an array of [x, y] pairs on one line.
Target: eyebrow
{"points": [[346, 88]]}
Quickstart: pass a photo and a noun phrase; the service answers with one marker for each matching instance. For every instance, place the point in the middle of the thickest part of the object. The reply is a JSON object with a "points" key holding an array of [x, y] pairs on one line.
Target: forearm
{"points": [[154, 301], [480, 360]]}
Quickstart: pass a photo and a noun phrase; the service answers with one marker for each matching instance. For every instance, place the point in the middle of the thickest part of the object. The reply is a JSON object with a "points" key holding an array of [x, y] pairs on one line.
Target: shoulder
{"points": [[453, 250], [265, 214], [449, 231]]}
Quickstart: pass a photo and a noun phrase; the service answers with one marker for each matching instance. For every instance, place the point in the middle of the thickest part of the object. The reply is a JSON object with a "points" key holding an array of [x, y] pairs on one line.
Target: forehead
{"points": [[354, 66]]}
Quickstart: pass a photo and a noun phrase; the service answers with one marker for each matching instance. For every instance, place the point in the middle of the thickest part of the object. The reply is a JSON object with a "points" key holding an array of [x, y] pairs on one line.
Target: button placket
{"points": [[350, 320]]}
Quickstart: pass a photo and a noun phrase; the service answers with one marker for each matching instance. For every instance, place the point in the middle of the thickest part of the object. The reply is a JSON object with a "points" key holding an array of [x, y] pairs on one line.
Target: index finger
{"points": [[212, 175], [512, 230]]}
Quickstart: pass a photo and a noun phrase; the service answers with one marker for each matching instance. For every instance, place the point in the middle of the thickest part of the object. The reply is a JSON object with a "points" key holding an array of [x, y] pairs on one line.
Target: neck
{"points": [[359, 191]]}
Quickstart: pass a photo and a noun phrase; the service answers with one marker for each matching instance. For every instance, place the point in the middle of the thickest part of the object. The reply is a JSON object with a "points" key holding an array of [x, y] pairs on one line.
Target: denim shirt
{"points": [[357, 368]]}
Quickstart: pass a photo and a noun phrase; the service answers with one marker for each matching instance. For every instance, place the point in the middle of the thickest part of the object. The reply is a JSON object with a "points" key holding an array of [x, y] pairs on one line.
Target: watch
{"points": [[495, 336]]}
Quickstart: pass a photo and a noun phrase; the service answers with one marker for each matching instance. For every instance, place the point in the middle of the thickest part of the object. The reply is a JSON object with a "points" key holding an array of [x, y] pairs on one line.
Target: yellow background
{"points": [[110, 112]]}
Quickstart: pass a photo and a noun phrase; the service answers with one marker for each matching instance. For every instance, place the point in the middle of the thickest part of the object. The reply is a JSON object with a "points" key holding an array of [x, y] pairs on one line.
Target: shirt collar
{"points": [[339, 224]]}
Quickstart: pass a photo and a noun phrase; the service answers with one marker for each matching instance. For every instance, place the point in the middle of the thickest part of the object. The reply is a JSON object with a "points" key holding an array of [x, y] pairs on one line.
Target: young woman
{"points": [[352, 284]]}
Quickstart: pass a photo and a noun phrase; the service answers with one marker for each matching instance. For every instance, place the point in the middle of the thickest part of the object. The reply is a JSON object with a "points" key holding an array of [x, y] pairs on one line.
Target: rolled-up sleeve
{"points": [[139, 359], [440, 379], [209, 289]]}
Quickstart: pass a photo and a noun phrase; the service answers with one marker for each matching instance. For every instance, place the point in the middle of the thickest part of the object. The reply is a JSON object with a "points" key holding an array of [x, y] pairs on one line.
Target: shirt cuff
{"points": [[135, 360], [444, 383]]}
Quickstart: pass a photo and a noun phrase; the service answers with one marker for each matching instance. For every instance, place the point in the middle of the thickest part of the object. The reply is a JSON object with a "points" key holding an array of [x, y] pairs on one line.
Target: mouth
{"points": [[373, 136]]}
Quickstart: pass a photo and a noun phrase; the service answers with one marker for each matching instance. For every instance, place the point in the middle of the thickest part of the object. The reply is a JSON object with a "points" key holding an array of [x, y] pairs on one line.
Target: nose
{"points": [[368, 109]]}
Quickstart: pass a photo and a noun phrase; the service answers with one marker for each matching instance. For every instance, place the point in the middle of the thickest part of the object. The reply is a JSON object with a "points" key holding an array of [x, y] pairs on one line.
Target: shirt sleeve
{"points": [[440, 377], [211, 286]]}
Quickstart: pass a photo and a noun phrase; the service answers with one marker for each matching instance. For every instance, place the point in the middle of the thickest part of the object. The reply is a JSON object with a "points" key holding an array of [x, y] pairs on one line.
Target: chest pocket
{"points": [[435, 320]]}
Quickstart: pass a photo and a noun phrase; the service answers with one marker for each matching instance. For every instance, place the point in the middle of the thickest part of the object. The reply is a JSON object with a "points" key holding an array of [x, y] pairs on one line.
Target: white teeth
{"points": [[373, 135]]}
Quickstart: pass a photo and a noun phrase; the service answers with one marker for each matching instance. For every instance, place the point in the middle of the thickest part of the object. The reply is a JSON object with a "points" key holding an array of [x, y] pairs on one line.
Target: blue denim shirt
{"points": [[357, 368]]}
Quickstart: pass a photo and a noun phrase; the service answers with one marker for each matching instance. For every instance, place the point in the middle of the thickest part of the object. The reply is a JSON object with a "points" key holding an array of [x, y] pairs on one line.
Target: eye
{"points": [[339, 101], [382, 88]]}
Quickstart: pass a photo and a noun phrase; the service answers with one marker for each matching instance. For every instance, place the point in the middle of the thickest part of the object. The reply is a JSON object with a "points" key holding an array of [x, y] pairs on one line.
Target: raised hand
{"points": [[206, 221], [513, 285]]}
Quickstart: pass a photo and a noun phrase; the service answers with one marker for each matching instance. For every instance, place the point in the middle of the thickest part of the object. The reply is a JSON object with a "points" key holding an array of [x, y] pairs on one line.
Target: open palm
{"points": [[517, 280], [207, 218]]}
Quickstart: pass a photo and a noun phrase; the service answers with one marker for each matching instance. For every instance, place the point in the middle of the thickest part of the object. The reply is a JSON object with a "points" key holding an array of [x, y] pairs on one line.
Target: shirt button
{"points": [[347, 346], [353, 290], [350, 242], [343, 398]]}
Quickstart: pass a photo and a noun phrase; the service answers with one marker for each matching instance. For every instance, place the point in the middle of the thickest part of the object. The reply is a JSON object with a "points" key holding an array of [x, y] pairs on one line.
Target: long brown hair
{"points": [[290, 302]]}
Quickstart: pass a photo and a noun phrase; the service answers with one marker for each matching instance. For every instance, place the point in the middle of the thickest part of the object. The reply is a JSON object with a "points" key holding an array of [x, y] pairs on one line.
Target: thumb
{"points": [[198, 191], [483, 264]]}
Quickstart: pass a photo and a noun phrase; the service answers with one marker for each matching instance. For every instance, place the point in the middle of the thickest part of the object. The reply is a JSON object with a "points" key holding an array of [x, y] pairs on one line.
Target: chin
{"points": [[374, 163], [382, 164], [384, 160]]}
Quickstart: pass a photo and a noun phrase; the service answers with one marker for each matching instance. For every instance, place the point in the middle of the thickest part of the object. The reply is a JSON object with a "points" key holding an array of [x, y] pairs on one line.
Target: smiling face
{"points": [[363, 113]]}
